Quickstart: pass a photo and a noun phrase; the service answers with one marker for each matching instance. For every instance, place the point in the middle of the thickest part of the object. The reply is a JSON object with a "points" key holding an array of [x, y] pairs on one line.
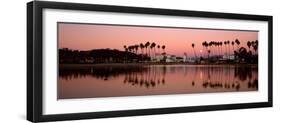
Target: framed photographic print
{"points": [[96, 61]]}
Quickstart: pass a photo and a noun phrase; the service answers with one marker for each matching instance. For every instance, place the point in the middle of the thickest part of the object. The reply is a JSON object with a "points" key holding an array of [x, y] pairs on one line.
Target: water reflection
{"points": [[154, 79], [99, 72]]}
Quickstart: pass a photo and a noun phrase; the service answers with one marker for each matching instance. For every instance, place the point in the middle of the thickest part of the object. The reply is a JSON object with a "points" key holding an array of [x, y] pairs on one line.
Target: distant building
{"points": [[166, 58], [157, 58], [190, 59], [179, 59], [228, 57], [170, 58]]}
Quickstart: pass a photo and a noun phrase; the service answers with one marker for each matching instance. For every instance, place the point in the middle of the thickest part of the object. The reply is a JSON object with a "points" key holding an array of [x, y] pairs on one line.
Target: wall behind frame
{"points": [[13, 61]]}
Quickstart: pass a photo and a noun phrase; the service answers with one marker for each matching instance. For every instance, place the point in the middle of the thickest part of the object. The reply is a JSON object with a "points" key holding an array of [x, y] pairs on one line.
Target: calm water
{"points": [[135, 80]]}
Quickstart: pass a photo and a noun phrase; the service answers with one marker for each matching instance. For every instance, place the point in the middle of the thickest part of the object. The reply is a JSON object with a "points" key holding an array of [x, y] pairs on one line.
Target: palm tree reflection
{"points": [[151, 76]]}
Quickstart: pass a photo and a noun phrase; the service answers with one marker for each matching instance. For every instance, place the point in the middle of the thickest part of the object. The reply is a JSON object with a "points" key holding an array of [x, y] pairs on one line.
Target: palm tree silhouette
{"points": [[228, 48], [249, 45], [141, 47], [210, 45], [193, 45], [218, 45], [221, 48], [255, 46], [125, 47], [133, 48], [164, 53], [205, 44], [238, 43], [225, 42], [126, 50], [217, 49], [158, 46], [209, 51], [232, 43], [163, 47], [129, 48], [146, 46], [152, 46], [136, 47]]}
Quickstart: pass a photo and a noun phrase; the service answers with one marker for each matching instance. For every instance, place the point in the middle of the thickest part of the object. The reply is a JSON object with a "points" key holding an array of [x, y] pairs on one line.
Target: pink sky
{"points": [[176, 40]]}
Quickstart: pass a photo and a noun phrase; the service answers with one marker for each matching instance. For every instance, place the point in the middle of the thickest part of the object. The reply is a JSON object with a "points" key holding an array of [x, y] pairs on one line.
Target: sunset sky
{"points": [[176, 40]]}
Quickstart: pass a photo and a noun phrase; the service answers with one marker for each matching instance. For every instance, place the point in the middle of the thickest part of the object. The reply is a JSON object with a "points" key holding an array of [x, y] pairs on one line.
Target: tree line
{"points": [[215, 50]]}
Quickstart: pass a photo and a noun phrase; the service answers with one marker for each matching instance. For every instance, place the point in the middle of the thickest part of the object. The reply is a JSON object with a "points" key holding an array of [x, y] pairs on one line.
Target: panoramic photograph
{"points": [[106, 60]]}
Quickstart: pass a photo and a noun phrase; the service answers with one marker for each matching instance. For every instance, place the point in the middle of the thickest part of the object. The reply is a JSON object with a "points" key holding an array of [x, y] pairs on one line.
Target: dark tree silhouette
{"points": [[205, 44], [238, 43], [158, 46], [228, 48], [193, 45], [146, 46], [163, 47], [249, 45], [152, 46], [232, 43], [225, 43], [141, 47]]}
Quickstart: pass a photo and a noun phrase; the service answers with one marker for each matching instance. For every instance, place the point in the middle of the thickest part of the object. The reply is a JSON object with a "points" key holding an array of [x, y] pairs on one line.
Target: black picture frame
{"points": [[34, 60]]}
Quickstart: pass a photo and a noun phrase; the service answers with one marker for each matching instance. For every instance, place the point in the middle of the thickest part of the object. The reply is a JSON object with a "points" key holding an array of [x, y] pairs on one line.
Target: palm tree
{"points": [[256, 42], [217, 46], [141, 47], [228, 48], [204, 44], [129, 48], [249, 45], [232, 43], [225, 47], [210, 44], [126, 50], [255, 46], [164, 54], [163, 47], [215, 49], [133, 49], [136, 47], [146, 46], [151, 51], [209, 51], [153, 46], [193, 45], [125, 47], [238, 43], [158, 46], [221, 47]]}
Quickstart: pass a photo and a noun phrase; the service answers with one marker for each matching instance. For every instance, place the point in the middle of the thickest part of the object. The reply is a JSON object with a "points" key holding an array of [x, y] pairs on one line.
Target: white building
{"points": [[228, 57], [157, 58], [190, 59], [169, 58]]}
